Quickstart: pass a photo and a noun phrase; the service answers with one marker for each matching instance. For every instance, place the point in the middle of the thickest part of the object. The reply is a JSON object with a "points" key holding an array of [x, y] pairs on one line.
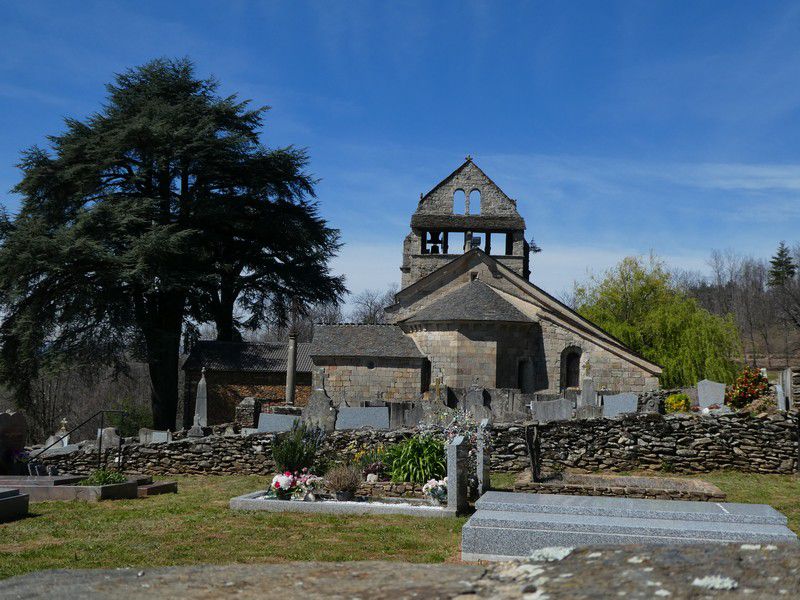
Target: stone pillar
{"points": [[291, 367], [201, 401], [457, 473], [483, 458]]}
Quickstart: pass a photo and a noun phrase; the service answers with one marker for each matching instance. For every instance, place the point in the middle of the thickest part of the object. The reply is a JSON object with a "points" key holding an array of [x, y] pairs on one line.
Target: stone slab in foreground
{"points": [[512, 525], [734, 571]]}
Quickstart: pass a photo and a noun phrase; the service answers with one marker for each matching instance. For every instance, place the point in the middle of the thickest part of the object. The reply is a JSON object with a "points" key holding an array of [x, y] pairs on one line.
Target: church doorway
{"points": [[571, 368], [525, 377]]}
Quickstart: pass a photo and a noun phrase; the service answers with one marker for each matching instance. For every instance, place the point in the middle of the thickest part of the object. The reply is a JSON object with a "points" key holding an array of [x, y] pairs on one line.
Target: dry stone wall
{"points": [[675, 443]]}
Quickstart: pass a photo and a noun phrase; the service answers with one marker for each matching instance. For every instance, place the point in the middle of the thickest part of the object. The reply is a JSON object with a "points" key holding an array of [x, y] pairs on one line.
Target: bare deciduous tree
{"points": [[368, 306]]}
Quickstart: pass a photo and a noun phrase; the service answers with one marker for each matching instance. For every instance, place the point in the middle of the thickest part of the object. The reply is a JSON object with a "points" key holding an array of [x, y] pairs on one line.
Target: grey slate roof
{"points": [[473, 301], [363, 340], [268, 357]]}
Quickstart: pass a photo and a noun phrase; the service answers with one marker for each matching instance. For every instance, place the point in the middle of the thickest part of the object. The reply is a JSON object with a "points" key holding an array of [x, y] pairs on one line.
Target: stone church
{"points": [[468, 315]]}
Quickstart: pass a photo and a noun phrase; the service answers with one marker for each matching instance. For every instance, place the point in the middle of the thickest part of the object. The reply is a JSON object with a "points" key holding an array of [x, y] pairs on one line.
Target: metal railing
{"points": [[102, 414]]}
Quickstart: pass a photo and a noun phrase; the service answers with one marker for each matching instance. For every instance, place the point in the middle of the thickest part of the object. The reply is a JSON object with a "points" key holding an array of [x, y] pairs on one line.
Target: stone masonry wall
{"points": [[493, 200], [608, 370], [487, 352], [372, 379], [675, 443]]}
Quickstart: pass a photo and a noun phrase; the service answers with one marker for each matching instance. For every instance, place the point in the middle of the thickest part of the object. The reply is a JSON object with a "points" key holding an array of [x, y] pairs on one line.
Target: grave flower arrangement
{"points": [[748, 387], [295, 486], [436, 490]]}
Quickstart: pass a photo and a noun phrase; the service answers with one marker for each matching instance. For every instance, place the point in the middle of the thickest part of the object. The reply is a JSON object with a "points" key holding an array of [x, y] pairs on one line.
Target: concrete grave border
{"points": [[373, 506]]}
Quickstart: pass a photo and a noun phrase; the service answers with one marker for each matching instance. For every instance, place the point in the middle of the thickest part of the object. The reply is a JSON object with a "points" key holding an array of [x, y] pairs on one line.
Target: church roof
{"points": [[549, 307], [473, 301], [267, 357], [386, 341]]}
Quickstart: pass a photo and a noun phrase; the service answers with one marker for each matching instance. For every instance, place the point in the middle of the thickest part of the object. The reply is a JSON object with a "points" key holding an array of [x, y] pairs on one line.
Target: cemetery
{"points": [[481, 420], [485, 423], [582, 475]]}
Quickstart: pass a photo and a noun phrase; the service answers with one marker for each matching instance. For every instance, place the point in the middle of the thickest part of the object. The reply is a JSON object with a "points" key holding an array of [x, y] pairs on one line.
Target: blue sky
{"points": [[620, 128]]}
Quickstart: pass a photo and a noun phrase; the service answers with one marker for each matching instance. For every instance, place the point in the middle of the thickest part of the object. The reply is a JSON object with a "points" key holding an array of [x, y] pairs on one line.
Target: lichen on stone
{"points": [[551, 553], [715, 582]]}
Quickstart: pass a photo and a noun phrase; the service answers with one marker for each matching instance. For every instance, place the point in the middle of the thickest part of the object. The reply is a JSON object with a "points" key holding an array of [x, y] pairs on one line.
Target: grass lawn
{"points": [[196, 526], [780, 491]]}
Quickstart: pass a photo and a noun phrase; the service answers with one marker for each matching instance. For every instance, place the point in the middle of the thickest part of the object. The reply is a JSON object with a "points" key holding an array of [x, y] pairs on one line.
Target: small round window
{"points": [[370, 365]]}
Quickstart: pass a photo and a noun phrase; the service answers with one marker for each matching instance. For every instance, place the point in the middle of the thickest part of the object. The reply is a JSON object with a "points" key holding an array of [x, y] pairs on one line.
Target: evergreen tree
{"points": [[160, 208], [782, 268]]}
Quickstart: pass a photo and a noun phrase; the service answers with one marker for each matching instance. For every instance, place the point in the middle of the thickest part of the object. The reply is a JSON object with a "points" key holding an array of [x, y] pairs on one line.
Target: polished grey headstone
{"points": [[630, 507], [376, 417], [507, 538], [272, 423], [510, 525]]}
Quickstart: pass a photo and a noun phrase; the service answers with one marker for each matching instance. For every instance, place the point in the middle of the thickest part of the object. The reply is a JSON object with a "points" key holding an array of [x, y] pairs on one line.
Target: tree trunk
{"points": [[162, 329], [223, 317]]}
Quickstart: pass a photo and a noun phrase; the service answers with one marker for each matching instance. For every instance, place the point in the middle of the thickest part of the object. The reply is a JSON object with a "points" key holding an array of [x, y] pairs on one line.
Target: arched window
{"points": [[459, 202], [571, 367], [474, 202]]}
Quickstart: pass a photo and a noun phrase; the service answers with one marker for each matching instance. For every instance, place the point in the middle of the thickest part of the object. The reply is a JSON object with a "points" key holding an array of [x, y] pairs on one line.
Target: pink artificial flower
{"points": [[277, 484]]}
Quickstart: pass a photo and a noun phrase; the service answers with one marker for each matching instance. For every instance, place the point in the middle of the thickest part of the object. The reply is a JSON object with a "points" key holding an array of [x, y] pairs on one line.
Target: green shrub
{"points": [[677, 403], [297, 449], [103, 477], [416, 459]]}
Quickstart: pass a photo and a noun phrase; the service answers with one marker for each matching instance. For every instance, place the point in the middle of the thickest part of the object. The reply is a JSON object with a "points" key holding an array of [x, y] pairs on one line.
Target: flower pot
{"points": [[344, 496]]}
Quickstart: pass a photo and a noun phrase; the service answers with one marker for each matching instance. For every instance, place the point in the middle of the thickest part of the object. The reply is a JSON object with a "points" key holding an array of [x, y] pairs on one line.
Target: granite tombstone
{"points": [[375, 417], [272, 423], [710, 393], [619, 404]]}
